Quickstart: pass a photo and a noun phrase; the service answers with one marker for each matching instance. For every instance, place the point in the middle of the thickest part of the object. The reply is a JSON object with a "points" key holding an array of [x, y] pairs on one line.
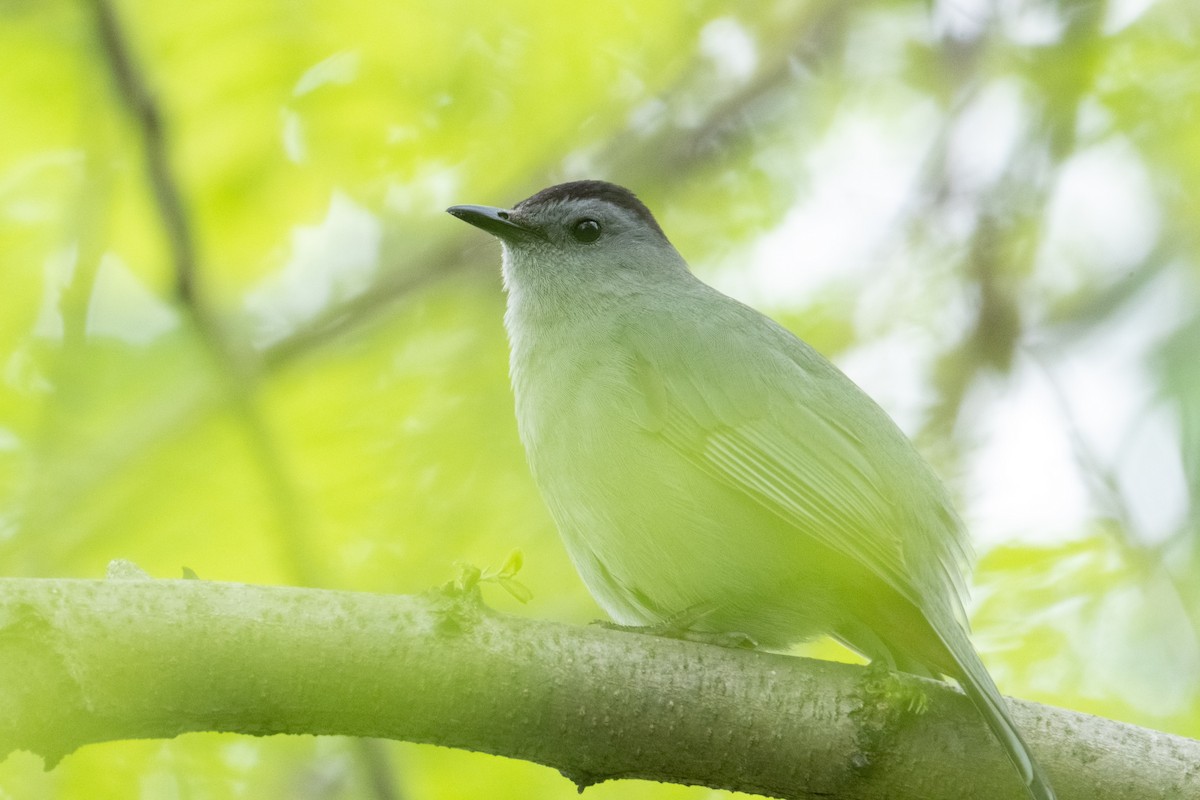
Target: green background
{"points": [[985, 213]]}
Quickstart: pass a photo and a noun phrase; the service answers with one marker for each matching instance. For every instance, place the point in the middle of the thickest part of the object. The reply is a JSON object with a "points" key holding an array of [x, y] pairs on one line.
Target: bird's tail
{"points": [[978, 685]]}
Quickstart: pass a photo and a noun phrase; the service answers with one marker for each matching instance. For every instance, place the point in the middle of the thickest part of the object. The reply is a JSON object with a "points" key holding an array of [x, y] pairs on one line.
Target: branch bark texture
{"points": [[94, 661]]}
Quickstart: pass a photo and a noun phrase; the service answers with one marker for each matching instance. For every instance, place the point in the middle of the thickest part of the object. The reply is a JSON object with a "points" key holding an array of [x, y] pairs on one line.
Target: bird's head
{"points": [[584, 237]]}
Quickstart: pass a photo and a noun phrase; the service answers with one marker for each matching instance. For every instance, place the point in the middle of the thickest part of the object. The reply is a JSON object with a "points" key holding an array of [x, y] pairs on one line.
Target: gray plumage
{"points": [[707, 467]]}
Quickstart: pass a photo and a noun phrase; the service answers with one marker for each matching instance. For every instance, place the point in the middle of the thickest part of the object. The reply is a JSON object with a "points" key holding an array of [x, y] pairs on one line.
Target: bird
{"points": [[710, 471]]}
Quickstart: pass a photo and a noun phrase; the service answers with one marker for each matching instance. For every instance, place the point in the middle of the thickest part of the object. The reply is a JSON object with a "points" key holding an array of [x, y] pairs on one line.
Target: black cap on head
{"points": [[600, 190]]}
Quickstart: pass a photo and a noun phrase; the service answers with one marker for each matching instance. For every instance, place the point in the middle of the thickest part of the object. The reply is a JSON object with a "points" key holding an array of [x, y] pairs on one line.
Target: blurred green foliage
{"points": [[985, 211]]}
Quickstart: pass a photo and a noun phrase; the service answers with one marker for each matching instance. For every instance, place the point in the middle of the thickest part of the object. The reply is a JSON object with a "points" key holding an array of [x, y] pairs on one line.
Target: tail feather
{"points": [[930, 641], [982, 691]]}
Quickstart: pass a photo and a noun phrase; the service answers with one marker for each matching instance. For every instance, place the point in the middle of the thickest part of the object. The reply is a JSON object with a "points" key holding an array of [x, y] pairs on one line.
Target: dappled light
{"points": [[267, 355]]}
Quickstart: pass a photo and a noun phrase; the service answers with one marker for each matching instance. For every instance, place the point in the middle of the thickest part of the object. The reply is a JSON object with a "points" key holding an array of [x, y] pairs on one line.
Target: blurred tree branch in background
{"points": [[232, 361]]}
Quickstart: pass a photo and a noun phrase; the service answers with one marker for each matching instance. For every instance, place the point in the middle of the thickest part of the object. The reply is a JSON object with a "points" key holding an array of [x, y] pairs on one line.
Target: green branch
{"points": [[94, 661]]}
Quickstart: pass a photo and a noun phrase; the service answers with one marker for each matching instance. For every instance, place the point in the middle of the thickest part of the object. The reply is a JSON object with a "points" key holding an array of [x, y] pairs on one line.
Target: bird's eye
{"points": [[586, 230]]}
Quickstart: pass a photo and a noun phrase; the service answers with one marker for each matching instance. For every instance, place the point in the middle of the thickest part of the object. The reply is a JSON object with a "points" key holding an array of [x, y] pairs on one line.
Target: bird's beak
{"points": [[496, 221]]}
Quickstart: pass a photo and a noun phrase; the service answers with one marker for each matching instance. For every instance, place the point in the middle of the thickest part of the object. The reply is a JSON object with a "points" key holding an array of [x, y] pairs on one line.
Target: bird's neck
{"points": [[541, 324]]}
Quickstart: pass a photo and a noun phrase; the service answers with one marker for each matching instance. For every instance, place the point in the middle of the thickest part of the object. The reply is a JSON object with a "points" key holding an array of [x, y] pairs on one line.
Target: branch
{"points": [[92, 661], [235, 366], [143, 108]]}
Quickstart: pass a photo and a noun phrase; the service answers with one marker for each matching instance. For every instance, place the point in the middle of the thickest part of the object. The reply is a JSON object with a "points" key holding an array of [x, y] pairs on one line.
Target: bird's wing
{"points": [[758, 410]]}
